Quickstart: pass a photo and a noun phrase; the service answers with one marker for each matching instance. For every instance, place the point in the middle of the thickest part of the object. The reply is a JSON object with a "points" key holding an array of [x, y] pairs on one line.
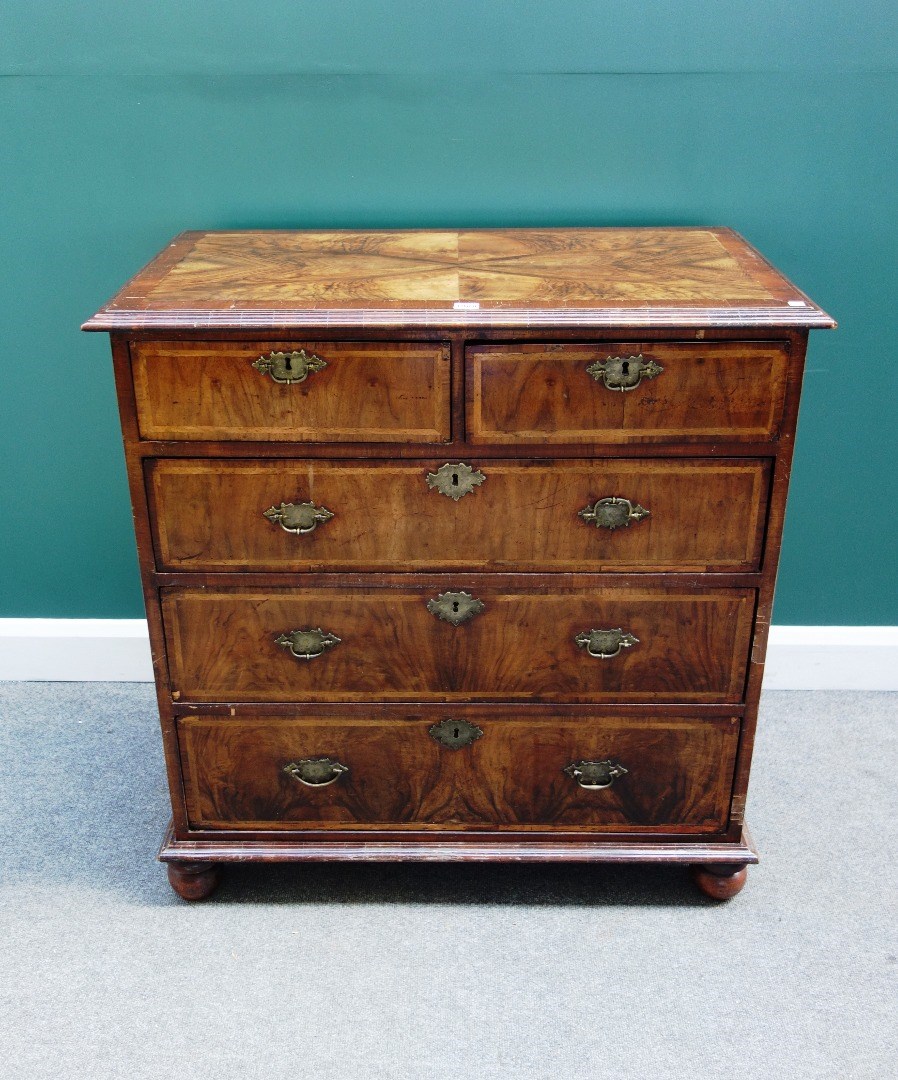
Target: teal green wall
{"points": [[123, 124]]}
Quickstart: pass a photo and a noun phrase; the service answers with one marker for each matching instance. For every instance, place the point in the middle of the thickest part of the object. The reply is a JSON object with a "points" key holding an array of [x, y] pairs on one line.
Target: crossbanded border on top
{"points": [[275, 319]]}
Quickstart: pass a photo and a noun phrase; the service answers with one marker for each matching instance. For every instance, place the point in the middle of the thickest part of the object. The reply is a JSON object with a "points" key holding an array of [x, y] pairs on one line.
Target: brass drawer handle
{"points": [[289, 367], [595, 775], [605, 643], [316, 771], [623, 372], [298, 518], [307, 644], [612, 513], [455, 607], [455, 481]]}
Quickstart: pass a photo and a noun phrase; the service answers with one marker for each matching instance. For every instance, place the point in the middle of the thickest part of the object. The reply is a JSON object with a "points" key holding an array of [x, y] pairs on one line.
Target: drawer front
{"points": [[364, 392], [692, 392], [283, 773], [398, 644], [702, 515]]}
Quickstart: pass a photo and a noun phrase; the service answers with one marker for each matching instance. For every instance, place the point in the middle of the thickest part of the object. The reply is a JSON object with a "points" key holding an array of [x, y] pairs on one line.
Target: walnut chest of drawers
{"points": [[459, 544]]}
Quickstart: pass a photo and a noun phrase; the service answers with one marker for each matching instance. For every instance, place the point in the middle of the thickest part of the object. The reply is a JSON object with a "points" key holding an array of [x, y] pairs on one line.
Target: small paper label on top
{"points": [[796, 303], [466, 305]]}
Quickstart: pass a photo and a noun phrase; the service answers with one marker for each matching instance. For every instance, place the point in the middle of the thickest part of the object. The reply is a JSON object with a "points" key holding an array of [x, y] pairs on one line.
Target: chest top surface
{"points": [[616, 277]]}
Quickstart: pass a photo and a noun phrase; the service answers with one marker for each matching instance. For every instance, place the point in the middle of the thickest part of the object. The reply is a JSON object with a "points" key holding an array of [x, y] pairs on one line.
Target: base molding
{"points": [[118, 650], [470, 849]]}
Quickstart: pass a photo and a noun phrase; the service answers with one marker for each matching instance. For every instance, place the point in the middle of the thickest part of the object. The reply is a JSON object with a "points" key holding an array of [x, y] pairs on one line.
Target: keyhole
{"points": [[625, 367], [455, 736], [455, 605], [288, 363], [455, 479]]}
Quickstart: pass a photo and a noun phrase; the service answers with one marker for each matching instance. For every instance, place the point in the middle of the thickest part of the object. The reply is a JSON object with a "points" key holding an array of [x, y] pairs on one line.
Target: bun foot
{"points": [[193, 880], [720, 881]]}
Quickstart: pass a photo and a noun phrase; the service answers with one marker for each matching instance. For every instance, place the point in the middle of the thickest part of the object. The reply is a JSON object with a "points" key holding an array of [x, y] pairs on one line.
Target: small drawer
{"points": [[633, 515], [311, 391], [440, 641], [597, 773], [626, 392]]}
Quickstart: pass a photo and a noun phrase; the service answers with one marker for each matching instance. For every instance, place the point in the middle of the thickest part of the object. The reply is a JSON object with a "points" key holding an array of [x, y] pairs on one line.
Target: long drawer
{"points": [[626, 392], [596, 772], [431, 642], [293, 515], [311, 391]]}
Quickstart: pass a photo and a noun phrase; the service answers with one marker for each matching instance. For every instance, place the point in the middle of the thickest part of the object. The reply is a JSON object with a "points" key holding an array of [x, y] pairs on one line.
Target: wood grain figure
{"points": [[697, 515], [678, 772], [690, 645], [383, 393]]}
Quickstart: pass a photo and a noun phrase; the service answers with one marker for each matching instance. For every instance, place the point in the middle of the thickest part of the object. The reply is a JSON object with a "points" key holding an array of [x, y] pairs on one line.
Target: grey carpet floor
{"points": [[344, 972]]}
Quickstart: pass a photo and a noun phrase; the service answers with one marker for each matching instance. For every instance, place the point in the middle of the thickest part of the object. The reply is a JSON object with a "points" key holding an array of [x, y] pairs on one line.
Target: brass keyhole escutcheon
{"points": [[455, 607], [289, 367], [623, 372], [456, 480], [455, 734]]}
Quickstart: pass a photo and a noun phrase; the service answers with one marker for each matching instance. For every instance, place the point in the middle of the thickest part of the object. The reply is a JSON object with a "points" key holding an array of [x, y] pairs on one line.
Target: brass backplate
{"points": [[316, 772], [298, 518], [595, 775], [612, 513], [605, 644], [307, 644]]}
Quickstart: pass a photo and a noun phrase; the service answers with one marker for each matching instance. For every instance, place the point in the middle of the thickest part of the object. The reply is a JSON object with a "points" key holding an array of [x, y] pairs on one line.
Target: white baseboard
{"points": [[75, 650], [118, 650], [832, 658]]}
